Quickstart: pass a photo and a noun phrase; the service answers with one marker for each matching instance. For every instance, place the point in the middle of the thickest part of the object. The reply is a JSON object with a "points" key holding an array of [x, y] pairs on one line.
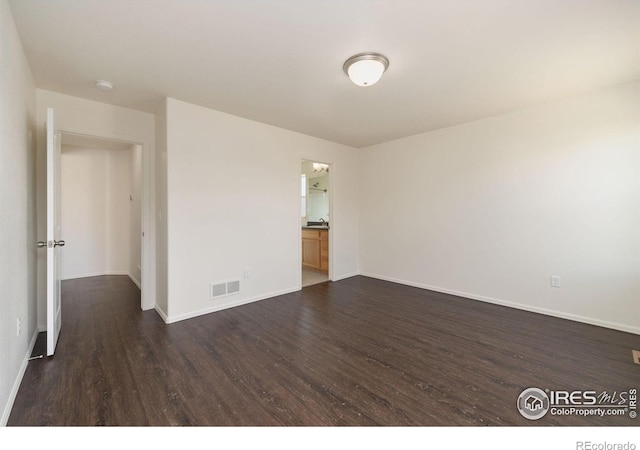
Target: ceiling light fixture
{"points": [[104, 85], [319, 168], [365, 69]]}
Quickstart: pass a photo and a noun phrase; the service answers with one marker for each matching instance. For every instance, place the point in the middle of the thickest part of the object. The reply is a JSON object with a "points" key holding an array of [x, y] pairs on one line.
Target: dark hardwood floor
{"points": [[355, 352]]}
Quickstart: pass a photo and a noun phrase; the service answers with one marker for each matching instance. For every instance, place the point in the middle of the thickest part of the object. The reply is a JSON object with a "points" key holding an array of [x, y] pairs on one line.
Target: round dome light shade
{"points": [[365, 69]]}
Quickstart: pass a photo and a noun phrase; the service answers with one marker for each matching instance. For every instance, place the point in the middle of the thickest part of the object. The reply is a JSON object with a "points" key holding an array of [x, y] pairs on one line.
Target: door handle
{"points": [[41, 244]]}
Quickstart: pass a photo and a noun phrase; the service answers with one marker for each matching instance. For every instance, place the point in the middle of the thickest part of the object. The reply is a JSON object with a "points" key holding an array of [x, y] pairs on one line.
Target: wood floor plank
{"points": [[358, 352]]}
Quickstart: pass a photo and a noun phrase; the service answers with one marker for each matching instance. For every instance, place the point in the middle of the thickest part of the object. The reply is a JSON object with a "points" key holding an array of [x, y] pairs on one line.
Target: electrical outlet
{"points": [[636, 356], [247, 273], [555, 281], [18, 326]]}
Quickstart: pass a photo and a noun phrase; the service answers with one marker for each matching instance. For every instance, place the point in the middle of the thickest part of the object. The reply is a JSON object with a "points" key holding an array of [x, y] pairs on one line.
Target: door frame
{"points": [[331, 216], [147, 215]]}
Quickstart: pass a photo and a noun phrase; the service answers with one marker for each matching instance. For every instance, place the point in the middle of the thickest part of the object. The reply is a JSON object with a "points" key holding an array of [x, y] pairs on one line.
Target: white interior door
{"points": [[54, 306]]}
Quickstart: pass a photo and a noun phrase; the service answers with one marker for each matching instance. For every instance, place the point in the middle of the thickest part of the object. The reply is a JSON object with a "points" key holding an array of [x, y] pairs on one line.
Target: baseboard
{"points": [[161, 313], [496, 301], [16, 385], [102, 274], [95, 274], [135, 281], [230, 303], [344, 277]]}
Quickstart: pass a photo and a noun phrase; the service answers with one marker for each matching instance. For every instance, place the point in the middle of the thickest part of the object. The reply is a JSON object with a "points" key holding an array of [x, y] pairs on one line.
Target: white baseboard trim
{"points": [[95, 274], [230, 303], [161, 313], [16, 384], [344, 277], [535, 309], [135, 281]]}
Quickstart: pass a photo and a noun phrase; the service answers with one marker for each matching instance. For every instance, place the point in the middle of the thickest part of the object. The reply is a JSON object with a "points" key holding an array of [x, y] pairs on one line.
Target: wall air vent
{"points": [[233, 287], [217, 290]]}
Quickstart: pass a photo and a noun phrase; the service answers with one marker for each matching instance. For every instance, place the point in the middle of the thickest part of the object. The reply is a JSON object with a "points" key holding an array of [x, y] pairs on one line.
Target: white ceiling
{"points": [[280, 61]]}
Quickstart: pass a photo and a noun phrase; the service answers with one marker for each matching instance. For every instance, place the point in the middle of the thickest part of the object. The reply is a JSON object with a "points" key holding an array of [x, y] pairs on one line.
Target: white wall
{"points": [[135, 215], [233, 196], [162, 264], [491, 209], [97, 222], [17, 212], [92, 118]]}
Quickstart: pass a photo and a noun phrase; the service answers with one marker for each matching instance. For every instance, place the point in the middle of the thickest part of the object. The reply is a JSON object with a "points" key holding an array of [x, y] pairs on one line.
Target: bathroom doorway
{"points": [[315, 207]]}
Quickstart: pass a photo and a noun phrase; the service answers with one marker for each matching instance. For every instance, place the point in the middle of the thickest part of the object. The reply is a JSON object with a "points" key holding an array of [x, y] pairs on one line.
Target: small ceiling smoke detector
{"points": [[104, 85], [365, 69]]}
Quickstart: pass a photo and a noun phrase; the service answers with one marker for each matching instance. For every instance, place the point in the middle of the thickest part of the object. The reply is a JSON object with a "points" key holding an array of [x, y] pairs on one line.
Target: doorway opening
{"points": [[315, 210], [101, 207]]}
